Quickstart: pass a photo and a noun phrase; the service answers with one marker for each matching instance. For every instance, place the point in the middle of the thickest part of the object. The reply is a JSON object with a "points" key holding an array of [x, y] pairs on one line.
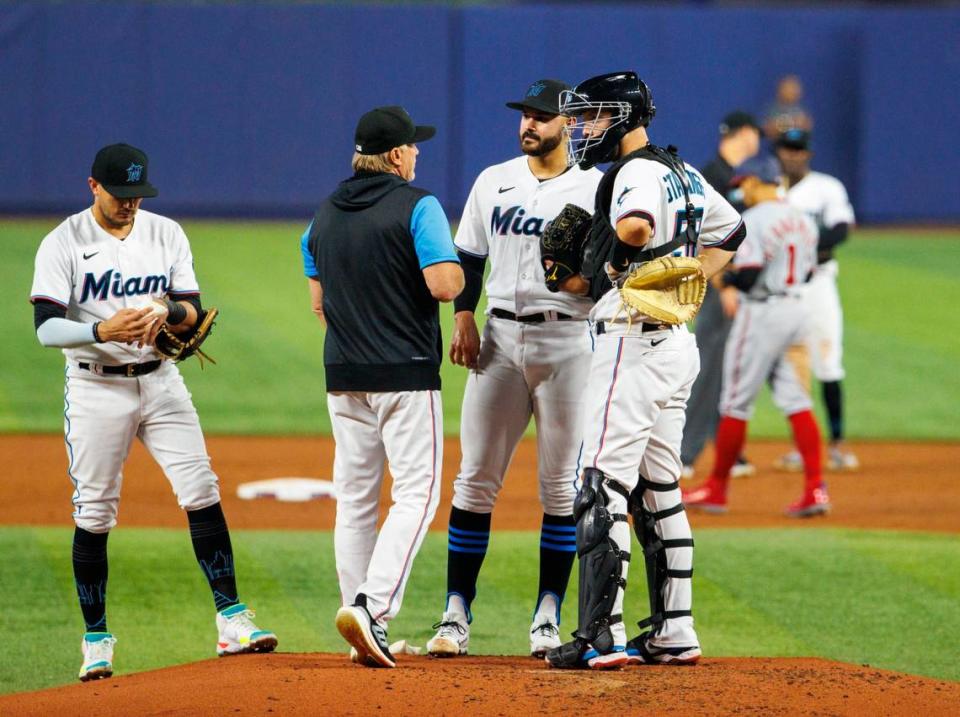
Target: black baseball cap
{"points": [[122, 170], [736, 120], [762, 166], [384, 128], [543, 96], [794, 139]]}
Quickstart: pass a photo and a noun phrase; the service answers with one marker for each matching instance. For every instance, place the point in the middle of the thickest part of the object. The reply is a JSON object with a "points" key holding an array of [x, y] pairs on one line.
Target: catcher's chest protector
{"points": [[603, 237]]}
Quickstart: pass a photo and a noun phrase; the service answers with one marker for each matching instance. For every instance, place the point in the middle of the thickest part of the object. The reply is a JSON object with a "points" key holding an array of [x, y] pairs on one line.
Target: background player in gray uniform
{"points": [[739, 140], [825, 200], [649, 204], [532, 360], [105, 281], [775, 260]]}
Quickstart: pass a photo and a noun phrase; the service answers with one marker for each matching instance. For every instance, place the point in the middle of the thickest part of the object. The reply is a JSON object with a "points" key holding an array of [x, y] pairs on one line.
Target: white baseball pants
{"points": [[103, 414], [824, 331], [405, 428], [524, 370], [756, 352], [634, 412]]}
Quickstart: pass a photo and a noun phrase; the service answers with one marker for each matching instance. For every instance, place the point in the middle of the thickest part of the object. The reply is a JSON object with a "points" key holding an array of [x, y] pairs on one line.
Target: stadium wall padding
{"points": [[249, 110]]}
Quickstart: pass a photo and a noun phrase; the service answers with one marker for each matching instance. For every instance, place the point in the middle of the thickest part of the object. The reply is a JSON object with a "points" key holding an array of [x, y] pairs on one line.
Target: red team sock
{"points": [[806, 436], [731, 433]]}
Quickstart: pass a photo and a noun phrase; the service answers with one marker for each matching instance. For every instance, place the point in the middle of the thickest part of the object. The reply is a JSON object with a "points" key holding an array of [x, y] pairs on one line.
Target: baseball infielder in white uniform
{"points": [[94, 274], [770, 267], [648, 204], [533, 359], [825, 200]]}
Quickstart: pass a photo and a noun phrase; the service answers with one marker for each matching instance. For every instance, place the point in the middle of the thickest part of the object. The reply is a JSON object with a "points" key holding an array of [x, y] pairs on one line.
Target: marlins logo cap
{"points": [[384, 128], [543, 96], [122, 170]]}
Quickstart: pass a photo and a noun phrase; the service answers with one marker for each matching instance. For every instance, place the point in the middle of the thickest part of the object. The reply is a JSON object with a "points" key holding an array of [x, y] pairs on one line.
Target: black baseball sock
{"points": [[90, 574], [211, 544], [833, 398], [467, 539], [558, 548]]}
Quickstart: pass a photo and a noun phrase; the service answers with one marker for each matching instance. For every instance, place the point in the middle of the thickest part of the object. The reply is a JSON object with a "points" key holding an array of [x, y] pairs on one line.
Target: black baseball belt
{"points": [[127, 369], [530, 318]]}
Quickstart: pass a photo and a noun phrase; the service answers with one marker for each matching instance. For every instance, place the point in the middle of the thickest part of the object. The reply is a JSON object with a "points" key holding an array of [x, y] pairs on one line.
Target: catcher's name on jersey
{"points": [[505, 214], [93, 275], [647, 189]]}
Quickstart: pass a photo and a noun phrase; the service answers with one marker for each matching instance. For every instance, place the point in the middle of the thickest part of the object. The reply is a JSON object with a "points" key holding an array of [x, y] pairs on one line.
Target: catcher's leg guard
{"points": [[601, 570], [664, 532]]}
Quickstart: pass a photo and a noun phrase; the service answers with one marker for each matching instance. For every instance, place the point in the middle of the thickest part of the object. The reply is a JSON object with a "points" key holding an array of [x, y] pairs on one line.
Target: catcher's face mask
{"points": [[599, 126]]}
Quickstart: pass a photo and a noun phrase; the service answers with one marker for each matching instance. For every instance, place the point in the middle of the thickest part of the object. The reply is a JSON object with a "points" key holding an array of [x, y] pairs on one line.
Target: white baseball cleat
{"points": [[841, 460], [452, 638], [544, 636], [641, 651], [237, 633], [97, 650], [743, 468], [792, 462]]}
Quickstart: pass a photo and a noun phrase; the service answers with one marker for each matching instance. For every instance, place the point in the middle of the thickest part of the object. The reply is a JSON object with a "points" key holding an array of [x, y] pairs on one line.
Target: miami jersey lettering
{"points": [[93, 275]]}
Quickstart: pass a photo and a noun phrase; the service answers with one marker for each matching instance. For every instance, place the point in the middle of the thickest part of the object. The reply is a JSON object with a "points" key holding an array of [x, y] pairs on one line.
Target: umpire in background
{"points": [[739, 140], [378, 257]]}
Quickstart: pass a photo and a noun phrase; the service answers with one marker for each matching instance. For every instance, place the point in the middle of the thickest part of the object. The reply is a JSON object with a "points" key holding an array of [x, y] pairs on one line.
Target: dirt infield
{"points": [[304, 684], [901, 486], [904, 486]]}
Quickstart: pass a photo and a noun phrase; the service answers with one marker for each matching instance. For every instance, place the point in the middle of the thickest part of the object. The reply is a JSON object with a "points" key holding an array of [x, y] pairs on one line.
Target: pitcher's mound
{"points": [[311, 684]]}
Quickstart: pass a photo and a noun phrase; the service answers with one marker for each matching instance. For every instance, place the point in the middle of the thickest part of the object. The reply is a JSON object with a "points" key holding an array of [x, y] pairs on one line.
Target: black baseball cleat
{"points": [[641, 652], [579, 655], [358, 627]]}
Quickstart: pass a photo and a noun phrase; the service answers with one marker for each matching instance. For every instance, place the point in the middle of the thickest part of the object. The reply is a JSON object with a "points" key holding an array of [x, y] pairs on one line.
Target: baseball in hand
{"points": [[159, 309]]}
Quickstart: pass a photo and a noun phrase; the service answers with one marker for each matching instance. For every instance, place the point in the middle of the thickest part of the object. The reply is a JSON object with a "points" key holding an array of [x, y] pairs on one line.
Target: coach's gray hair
{"points": [[372, 162]]}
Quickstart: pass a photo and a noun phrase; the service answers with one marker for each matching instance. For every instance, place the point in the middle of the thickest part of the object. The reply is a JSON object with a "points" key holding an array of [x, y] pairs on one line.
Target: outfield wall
{"points": [[249, 109]]}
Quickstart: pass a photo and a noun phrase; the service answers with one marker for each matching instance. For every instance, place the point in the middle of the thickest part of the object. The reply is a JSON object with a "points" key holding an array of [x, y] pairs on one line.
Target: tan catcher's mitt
{"points": [[178, 347], [669, 290]]}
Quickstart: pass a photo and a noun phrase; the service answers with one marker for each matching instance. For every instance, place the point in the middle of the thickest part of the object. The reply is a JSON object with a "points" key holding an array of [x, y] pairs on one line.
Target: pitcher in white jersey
{"points": [[648, 204], [105, 280], [824, 199], [532, 360], [771, 266]]}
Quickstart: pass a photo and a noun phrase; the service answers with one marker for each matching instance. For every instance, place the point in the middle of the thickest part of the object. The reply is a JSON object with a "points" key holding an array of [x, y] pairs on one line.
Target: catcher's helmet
{"points": [[630, 104]]}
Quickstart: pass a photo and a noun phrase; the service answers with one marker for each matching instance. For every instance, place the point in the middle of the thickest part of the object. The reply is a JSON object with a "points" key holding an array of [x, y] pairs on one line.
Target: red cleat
{"points": [[711, 497], [815, 502]]}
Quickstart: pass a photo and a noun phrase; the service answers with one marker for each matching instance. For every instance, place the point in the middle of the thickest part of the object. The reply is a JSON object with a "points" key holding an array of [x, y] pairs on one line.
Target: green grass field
{"points": [[856, 596], [268, 345], [887, 599]]}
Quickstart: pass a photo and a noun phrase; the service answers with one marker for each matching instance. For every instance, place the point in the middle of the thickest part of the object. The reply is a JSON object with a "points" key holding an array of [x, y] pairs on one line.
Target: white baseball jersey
{"points": [[823, 198], [781, 242], [93, 275], [504, 218], [651, 190]]}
